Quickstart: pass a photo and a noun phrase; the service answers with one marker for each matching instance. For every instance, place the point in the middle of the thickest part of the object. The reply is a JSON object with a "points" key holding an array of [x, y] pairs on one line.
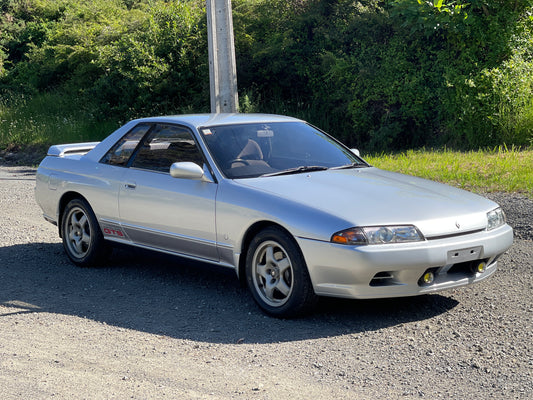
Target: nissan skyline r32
{"points": [[294, 212]]}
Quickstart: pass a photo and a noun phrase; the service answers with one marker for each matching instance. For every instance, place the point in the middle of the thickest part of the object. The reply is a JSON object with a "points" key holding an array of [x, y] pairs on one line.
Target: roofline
{"points": [[206, 120]]}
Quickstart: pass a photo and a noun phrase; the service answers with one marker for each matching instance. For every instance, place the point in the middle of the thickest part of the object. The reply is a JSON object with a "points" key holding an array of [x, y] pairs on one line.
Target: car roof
{"points": [[206, 120], [193, 121]]}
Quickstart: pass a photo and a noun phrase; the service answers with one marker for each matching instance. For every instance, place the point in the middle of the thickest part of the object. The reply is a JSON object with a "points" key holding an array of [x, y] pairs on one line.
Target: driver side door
{"points": [[162, 212]]}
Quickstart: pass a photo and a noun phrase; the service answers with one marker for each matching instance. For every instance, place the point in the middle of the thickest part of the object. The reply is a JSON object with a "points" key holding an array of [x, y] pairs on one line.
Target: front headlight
{"points": [[378, 235], [495, 218]]}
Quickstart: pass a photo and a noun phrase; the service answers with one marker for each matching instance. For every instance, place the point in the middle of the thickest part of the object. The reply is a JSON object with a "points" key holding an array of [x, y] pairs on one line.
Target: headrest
{"points": [[251, 151]]}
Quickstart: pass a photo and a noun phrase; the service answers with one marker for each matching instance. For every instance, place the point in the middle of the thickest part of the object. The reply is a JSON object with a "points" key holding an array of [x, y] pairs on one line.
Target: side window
{"points": [[121, 152], [165, 145]]}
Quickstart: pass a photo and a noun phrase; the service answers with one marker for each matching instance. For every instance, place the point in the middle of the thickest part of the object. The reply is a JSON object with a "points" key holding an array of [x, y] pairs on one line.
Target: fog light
{"points": [[428, 278], [480, 267]]}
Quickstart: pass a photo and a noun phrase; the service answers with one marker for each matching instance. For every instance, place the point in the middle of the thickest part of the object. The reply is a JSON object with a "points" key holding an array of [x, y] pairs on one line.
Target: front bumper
{"points": [[394, 270]]}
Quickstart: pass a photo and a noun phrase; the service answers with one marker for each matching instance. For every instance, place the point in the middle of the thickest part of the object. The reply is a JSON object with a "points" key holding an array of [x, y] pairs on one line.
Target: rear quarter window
{"points": [[121, 152]]}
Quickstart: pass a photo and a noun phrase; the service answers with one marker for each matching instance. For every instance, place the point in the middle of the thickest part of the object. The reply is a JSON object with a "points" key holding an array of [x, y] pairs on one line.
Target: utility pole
{"points": [[222, 68]]}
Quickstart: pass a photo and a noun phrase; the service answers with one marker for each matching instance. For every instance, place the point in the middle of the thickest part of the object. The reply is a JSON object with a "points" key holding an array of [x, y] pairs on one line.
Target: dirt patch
{"points": [[14, 155]]}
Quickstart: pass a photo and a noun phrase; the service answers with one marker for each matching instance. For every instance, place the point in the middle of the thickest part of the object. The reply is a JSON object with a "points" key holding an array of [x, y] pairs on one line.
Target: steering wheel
{"points": [[241, 160]]}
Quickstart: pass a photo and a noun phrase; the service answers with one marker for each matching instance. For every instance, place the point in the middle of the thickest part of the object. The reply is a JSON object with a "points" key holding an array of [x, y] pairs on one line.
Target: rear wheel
{"points": [[277, 275], [82, 238]]}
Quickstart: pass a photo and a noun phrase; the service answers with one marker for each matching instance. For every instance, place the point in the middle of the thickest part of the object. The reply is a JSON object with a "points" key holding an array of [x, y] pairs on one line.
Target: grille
{"points": [[449, 235]]}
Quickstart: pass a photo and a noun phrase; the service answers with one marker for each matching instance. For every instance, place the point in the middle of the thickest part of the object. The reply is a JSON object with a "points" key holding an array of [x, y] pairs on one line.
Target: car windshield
{"points": [[280, 148]]}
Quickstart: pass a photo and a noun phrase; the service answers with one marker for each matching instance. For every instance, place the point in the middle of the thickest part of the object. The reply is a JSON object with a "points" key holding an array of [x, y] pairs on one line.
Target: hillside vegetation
{"points": [[380, 75]]}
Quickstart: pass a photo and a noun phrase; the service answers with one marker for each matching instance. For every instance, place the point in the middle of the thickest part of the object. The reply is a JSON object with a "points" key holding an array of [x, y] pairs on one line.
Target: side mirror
{"points": [[356, 152], [188, 170]]}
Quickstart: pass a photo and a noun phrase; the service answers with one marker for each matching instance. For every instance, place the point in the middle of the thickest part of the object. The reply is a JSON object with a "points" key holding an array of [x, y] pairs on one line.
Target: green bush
{"points": [[395, 74], [126, 57], [379, 74]]}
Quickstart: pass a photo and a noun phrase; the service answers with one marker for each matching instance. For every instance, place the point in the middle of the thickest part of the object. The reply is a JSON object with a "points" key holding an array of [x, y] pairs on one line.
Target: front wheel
{"points": [[82, 238], [277, 275]]}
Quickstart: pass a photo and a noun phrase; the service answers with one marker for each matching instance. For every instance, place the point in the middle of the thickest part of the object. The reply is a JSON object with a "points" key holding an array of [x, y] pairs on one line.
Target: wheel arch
{"points": [[66, 198], [251, 232]]}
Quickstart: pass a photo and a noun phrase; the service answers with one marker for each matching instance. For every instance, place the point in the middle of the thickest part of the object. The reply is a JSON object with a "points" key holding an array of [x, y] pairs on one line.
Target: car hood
{"points": [[370, 196]]}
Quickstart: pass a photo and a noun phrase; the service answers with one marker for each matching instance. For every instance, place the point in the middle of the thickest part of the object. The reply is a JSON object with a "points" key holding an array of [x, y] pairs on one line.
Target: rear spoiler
{"points": [[62, 150]]}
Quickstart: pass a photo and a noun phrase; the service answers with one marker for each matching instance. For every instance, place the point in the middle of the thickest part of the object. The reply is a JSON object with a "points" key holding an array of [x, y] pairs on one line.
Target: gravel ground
{"points": [[151, 326]]}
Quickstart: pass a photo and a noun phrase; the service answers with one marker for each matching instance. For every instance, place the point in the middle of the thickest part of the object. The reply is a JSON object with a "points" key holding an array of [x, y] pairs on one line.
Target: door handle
{"points": [[130, 185]]}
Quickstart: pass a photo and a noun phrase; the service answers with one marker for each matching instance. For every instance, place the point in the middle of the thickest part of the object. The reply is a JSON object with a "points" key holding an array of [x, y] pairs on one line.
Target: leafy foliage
{"points": [[379, 74], [401, 73], [129, 57]]}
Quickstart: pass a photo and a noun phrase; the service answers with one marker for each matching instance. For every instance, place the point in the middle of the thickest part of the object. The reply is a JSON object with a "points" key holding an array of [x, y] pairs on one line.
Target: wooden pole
{"points": [[222, 68]]}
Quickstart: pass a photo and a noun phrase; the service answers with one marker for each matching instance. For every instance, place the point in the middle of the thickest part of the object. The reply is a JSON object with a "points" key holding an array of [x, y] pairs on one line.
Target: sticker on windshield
{"points": [[207, 132], [265, 133]]}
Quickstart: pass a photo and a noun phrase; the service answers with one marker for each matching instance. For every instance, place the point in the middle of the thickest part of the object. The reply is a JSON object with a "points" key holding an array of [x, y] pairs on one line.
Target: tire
{"points": [[277, 275], [82, 238]]}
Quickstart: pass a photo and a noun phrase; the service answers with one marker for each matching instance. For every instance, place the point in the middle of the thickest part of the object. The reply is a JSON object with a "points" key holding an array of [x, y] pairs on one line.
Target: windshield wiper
{"points": [[352, 165], [297, 170]]}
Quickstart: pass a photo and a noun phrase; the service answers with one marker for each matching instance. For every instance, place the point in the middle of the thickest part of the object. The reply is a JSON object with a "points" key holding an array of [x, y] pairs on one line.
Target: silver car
{"points": [[294, 212]]}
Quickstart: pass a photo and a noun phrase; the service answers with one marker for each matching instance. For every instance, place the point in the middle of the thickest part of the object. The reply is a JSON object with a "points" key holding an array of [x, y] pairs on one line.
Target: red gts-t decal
{"points": [[113, 232]]}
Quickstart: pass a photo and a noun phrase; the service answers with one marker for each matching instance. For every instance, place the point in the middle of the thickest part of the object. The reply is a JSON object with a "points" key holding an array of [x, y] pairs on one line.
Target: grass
{"points": [[48, 119], [497, 170]]}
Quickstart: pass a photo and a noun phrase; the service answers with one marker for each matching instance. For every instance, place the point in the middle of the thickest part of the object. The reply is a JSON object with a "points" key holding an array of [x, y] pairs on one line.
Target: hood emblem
{"points": [[457, 224]]}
